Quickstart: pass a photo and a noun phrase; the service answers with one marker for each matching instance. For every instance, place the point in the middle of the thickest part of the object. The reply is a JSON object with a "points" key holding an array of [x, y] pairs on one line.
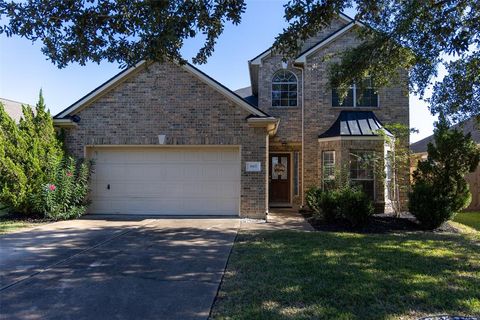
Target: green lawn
{"points": [[10, 224], [471, 219], [7, 226], [325, 275]]}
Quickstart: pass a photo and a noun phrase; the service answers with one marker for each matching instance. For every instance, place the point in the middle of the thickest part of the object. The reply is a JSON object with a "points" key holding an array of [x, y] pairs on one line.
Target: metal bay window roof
{"points": [[355, 123]]}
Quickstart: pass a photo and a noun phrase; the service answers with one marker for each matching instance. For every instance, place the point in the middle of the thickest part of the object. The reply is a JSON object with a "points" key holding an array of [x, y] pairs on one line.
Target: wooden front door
{"points": [[279, 178]]}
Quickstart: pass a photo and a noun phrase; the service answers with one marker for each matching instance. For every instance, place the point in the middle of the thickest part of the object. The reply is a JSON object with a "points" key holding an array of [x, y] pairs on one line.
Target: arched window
{"points": [[284, 89]]}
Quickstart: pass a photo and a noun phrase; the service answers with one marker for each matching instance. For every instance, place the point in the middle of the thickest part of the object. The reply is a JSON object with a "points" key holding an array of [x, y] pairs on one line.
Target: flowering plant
{"points": [[66, 195]]}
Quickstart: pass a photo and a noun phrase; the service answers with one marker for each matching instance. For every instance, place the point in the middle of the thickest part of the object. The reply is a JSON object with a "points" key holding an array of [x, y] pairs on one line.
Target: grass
{"points": [[327, 275], [471, 219], [9, 224]]}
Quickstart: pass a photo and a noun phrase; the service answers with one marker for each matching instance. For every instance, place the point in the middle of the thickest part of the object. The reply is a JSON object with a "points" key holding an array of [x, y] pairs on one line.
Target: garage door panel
{"points": [[166, 181]]}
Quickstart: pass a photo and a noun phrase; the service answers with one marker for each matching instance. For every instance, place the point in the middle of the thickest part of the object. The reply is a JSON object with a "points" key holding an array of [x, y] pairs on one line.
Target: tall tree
{"points": [[418, 35], [29, 154]]}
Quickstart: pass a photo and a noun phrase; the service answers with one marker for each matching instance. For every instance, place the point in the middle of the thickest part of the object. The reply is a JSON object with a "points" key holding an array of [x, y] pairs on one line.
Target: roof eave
{"points": [[271, 124], [64, 123], [105, 87], [302, 58]]}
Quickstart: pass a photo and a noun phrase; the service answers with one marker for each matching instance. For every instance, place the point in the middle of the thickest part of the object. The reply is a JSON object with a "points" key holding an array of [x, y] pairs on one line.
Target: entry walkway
{"points": [[279, 219]]}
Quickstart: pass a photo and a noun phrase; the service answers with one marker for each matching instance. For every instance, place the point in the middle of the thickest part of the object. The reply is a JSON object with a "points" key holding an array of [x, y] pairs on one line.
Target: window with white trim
{"points": [[284, 89], [389, 175], [328, 169], [368, 97], [362, 170]]}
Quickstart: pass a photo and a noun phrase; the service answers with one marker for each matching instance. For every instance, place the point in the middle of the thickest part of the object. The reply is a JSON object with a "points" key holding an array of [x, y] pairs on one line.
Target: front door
{"points": [[279, 178]]}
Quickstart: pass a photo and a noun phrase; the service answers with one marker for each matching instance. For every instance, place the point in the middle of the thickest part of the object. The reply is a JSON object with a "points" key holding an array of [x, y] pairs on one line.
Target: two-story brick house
{"points": [[167, 139]]}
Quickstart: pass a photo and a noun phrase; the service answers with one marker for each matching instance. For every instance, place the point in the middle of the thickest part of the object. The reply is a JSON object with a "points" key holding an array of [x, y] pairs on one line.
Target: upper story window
{"points": [[284, 89], [368, 97]]}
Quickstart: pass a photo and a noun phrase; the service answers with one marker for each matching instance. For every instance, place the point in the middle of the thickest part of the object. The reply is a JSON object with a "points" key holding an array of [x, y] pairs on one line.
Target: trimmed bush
{"points": [[347, 204], [354, 206], [432, 207]]}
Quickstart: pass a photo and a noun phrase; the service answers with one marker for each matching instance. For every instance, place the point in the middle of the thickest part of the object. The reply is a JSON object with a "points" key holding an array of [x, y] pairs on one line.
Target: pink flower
{"points": [[69, 174], [52, 187]]}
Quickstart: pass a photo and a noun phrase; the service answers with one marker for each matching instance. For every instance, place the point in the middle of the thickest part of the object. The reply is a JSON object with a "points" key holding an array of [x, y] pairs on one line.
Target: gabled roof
{"points": [[468, 126], [351, 23], [302, 57], [105, 87], [355, 124]]}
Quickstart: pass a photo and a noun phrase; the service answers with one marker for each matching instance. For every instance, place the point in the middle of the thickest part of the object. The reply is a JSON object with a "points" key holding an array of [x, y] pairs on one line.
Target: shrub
{"points": [[329, 205], [36, 177], [347, 203], [313, 199], [354, 206], [28, 153], [440, 189], [64, 196], [432, 207]]}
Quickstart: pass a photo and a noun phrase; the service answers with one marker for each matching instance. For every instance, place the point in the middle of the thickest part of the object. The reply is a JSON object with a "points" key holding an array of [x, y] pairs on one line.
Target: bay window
{"points": [[362, 171]]}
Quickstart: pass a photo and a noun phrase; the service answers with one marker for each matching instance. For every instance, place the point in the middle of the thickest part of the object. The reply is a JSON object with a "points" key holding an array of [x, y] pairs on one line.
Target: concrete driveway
{"points": [[105, 268]]}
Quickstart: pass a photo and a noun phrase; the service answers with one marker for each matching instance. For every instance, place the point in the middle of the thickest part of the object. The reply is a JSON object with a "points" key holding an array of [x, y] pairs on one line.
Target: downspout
{"points": [[303, 138]]}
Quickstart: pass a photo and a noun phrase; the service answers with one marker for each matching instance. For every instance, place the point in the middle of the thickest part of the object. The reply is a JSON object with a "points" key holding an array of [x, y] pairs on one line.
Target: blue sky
{"points": [[24, 70]]}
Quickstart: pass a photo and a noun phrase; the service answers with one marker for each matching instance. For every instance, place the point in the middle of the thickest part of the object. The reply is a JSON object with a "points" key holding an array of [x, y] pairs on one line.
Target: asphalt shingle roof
{"points": [[13, 108], [468, 126]]}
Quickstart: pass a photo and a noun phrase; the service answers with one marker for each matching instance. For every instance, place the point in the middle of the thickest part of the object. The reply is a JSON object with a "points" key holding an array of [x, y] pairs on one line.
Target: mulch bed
{"points": [[379, 223]]}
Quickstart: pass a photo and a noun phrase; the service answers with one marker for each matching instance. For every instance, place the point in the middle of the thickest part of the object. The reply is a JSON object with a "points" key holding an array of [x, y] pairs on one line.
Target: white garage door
{"points": [[166, 181]]}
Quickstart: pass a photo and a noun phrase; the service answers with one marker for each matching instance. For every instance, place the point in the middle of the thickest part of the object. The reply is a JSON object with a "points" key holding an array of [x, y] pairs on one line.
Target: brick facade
{"points": [[319, 114], [165, 99]]}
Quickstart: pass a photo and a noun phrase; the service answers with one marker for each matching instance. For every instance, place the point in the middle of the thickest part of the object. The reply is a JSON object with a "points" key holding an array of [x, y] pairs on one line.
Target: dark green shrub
{"points": [[432, 207], [313, 199], [64, 196], [354, 206], [329, 205], [348, 204]]}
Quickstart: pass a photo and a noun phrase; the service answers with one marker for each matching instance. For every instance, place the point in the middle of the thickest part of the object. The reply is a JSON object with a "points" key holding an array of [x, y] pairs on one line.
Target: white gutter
{"points": [[303, 135], [64, 123]]}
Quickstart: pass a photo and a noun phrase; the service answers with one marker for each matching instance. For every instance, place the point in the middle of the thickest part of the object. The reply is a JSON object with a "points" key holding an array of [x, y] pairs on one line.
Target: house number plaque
{"points": [[253, 166]]}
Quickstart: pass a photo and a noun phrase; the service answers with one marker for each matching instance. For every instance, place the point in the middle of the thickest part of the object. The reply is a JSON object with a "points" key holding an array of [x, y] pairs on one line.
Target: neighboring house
{"points": [[168, 139], [13, 108], [419, 150]]}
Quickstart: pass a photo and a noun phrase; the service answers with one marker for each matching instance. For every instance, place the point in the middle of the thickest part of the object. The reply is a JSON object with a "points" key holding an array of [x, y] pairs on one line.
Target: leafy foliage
{"points": [[354, 206], [345, 204], [64, 196], [432, 207], [313, 198], [440, 189], [30, 151], [31, 157], [417, 36], [124, 31]]}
